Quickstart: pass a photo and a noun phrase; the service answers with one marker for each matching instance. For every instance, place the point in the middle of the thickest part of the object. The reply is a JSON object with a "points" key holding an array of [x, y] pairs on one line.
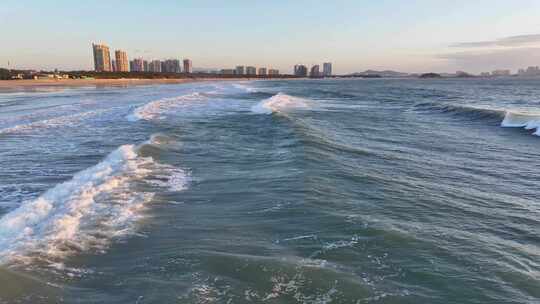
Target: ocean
{"points": [[289, 191]]}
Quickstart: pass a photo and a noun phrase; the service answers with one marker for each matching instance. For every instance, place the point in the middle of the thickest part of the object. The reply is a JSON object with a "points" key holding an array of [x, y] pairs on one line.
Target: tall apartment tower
{"points": [[154, 66], [102, 58], [188, 66], [314, 71], [327, 69], [262, 71], [239, 70], [122, 63], [300, 70], [146, 66], [171, 66], [251, 70], [137, 65]]}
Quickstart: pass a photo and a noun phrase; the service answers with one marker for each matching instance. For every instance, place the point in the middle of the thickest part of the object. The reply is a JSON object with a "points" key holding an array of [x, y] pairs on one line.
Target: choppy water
{"points": [[327, 191]]}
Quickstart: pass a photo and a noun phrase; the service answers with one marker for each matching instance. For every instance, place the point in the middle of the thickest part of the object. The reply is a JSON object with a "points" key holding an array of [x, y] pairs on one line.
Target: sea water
{"points": [[303, 191]]}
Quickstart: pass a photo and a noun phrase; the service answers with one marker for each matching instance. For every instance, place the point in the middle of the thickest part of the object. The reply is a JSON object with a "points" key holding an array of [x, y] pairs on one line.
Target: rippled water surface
{"points": [[303, 191]]}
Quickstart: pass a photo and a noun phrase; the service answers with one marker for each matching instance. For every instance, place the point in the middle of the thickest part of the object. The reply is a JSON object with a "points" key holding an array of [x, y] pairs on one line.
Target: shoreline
{"points": [[10, 85]]}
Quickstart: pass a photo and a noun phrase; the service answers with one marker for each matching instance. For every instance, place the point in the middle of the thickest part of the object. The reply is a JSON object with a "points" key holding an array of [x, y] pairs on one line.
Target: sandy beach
{"points": [[10, 85]]}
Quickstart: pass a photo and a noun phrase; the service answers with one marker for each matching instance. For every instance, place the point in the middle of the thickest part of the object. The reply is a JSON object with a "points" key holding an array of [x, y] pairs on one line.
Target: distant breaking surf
{"points": [[278, 103], [505, 117], [156, 109], [529, 121]]}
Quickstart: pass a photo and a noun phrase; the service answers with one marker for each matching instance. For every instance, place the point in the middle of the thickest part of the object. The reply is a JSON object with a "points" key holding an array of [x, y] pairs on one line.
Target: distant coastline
{"points": [[7, 85]]}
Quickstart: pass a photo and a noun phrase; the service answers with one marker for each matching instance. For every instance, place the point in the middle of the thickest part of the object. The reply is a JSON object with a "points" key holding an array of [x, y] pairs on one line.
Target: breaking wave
{"points": [[156, 109], [529, 121], [85, 213], [461, 110], [503, 117], [60, 121], [279, 103]]}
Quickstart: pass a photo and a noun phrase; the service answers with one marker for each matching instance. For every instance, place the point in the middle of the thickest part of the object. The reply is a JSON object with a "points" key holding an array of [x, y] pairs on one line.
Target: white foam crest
{"points": [[80, 214], [529, 121], [244, 87], [167, 176], [156, 109], [170, 177], [279, 103], [59, 121]]}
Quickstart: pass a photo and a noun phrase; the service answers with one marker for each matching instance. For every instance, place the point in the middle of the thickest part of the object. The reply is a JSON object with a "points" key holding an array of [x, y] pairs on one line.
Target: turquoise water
{"points": [[304, 191]]}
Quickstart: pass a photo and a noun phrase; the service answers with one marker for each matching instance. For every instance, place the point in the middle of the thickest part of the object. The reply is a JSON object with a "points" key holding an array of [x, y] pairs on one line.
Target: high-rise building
{"points": [[188, 66], [170, 66], [154, 66], [273, 72], [239, 70], [327, 69], [262, 71], [121, 61], [102, 58], [113, 65], [163, 67], [251, 70], [146, 66], [530, 71], [315, 71], [300, 70], [136, 65]]}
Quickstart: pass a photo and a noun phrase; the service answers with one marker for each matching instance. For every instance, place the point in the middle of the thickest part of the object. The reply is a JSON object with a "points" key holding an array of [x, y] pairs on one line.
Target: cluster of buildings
{"points": [[161, 66], [301, 70], [249, 71], [496, 73], [530, 71], [120, 63]]}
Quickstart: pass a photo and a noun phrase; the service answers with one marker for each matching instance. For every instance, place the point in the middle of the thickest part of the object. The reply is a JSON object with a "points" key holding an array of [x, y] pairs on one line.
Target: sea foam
{"points": [[55, 122], [84, 213], [279, 103], [529, 121], [158, 108]]}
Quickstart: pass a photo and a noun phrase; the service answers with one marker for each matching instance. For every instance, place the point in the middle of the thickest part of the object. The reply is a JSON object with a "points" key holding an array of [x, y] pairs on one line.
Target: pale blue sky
{"points": [[412, 35]]}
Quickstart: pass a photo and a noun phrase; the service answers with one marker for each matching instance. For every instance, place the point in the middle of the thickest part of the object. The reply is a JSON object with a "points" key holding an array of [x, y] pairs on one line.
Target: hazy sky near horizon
{"points": [[404, 35]]}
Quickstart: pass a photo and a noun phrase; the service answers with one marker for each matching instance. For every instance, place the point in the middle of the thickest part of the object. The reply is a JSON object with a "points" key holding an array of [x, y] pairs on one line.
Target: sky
{"points": [[355, 35]]}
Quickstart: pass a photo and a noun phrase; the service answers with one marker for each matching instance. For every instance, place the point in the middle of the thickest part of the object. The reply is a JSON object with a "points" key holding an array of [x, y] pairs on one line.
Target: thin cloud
{"points": [[511, 41], [487, 60]]}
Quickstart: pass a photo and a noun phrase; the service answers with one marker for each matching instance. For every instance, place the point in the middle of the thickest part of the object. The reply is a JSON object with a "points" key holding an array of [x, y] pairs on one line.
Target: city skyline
{"points": [[101, 51], [104, 62], [424, 36]]}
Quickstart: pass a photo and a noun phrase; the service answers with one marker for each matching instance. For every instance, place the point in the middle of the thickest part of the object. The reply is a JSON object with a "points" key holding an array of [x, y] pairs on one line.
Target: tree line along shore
{"points": [[6, 74]]}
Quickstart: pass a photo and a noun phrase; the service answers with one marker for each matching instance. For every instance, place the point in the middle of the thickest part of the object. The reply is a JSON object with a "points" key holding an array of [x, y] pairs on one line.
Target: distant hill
{"points": [[430, 75], [463, 75], [375, 73]]}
